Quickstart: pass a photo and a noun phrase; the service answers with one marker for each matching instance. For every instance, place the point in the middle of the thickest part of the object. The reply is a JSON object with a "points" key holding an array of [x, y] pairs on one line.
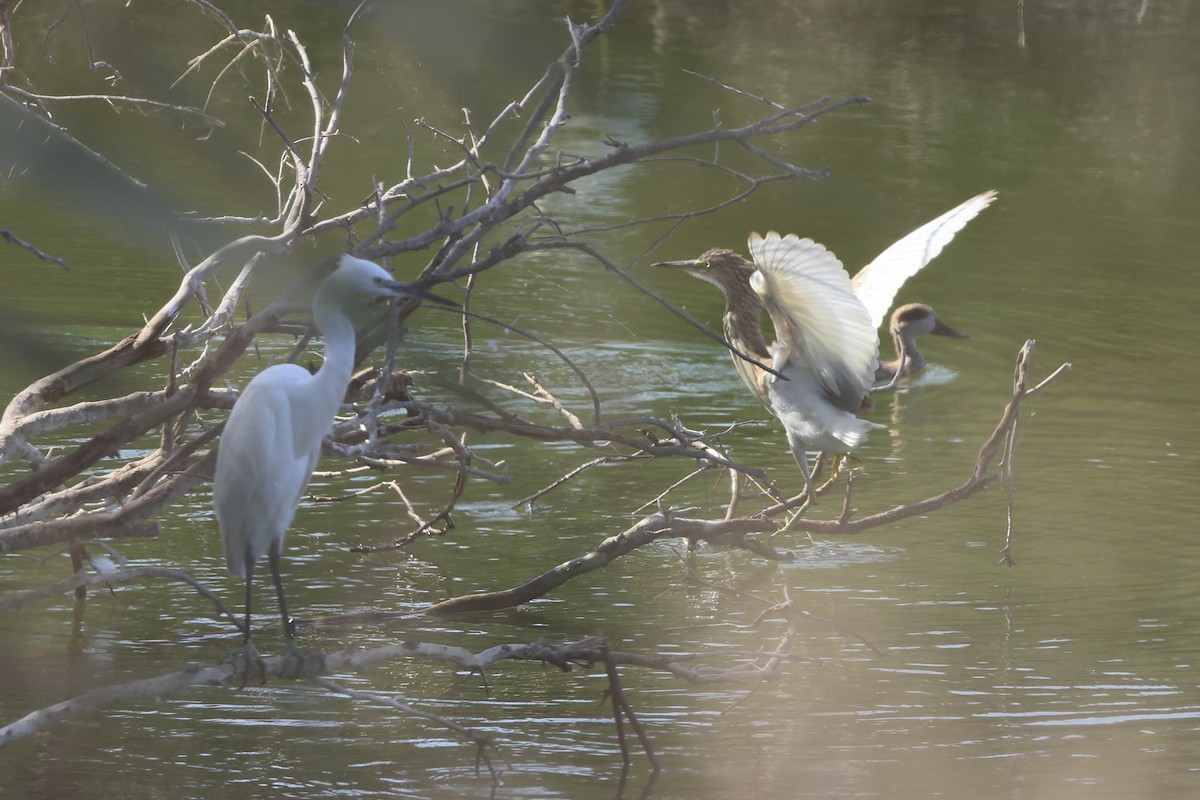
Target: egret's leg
{"points": [[248, 656], [249, 595], [285, 618], [296, 662]]}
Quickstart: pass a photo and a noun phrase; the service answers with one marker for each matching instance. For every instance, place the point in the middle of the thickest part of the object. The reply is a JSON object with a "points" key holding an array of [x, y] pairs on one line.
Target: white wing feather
{"points": [[808, 294], [877, 283]]}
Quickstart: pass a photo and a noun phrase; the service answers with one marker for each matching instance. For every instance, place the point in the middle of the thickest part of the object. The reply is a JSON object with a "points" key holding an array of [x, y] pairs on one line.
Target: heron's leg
{"points": [[800, 453], [296, 662]]}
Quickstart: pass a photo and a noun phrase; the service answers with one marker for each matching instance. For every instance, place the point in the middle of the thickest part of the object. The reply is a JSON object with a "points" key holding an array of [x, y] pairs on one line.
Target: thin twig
{"points": [[12, 238]]}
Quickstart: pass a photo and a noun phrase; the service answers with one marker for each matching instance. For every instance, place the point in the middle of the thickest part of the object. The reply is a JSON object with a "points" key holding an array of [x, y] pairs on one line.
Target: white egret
{"points": [[273, 437], [827, 346]]}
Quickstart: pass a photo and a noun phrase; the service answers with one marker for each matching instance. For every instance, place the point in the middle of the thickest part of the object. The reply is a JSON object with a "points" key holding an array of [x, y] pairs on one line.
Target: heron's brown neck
{"points": [[743, 321], [742, 325]]}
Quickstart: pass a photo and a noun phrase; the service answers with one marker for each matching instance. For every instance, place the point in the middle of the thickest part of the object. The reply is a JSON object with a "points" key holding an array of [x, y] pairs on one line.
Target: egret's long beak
{"points": [[412, 290], [942, 329]]}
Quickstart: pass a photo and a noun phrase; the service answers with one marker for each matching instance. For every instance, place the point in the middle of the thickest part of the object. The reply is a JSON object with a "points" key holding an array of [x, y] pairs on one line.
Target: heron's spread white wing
{"points": [[877, 283], [818, 320]]}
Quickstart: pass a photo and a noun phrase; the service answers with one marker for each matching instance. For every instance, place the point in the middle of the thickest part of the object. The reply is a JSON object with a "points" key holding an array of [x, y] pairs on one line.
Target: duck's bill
{"points": [[942, 329]]}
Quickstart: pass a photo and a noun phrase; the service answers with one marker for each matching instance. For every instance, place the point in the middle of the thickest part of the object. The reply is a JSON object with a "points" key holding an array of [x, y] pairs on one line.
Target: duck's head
{"points": [[917, 319]]}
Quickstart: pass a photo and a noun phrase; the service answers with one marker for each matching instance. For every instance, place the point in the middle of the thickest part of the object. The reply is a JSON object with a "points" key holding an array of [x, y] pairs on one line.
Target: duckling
{"points": [[908, 322]]}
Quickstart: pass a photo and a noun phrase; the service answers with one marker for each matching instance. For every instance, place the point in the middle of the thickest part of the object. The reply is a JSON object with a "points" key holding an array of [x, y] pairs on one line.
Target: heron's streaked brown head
{"points": [[741, 323], [727, 270], [918, 318]]}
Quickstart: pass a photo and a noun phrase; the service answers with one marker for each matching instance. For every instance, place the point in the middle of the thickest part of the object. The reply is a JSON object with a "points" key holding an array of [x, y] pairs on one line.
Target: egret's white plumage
{"points": [[273, 436], [826, 323]]}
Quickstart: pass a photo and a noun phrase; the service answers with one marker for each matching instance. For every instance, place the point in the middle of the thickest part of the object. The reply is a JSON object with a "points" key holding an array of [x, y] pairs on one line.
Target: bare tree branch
{"points": [[12, 238], [648, 529]]}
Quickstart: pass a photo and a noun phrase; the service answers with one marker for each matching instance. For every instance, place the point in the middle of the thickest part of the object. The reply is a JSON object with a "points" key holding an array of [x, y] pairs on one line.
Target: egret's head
{"points": [[356, 279], [723, 268], [356, 276]]}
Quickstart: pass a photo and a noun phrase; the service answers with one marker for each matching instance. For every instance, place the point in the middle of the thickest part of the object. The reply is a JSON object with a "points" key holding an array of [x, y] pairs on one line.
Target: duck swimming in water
{"points": [[908, 322]]}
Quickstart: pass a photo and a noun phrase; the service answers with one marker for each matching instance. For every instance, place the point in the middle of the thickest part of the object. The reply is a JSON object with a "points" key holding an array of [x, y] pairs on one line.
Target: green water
{"points": [[1074, 674]]}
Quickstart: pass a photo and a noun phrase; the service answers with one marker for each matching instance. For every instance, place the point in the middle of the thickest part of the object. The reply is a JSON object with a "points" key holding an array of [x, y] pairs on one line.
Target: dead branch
{"points": [[565, 657], [12, 238], [122, 575], [978, 480], [664, 523], [622, 710], [117, 99], [147, 689], [755, 667], [131, 519], [6, 45]]}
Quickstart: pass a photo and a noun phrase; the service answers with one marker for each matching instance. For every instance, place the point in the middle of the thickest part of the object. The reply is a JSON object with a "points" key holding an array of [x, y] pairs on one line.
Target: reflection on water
{"points": [[1072, 675]]}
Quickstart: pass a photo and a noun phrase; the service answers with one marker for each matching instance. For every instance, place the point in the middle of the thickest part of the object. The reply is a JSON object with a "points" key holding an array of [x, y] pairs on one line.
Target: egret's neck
{"points": [[335, 371]]}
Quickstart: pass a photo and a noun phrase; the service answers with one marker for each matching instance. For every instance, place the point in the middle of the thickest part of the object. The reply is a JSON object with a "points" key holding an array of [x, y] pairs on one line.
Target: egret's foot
{"points": [[244, 659], [299, 663]]}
